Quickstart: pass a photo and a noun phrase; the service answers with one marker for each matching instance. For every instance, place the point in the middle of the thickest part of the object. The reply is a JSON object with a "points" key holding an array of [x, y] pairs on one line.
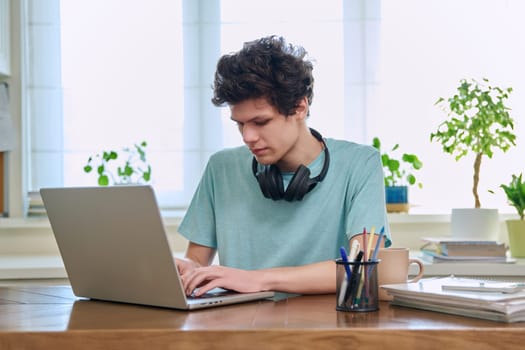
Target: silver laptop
{"points": [[114, 247]]}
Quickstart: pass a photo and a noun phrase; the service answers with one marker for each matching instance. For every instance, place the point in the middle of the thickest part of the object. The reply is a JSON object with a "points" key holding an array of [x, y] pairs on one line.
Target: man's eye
{"points": [[261, 123]]}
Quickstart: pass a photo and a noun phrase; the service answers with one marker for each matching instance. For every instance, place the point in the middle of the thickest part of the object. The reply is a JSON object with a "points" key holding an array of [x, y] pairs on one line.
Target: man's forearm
{"points": [[199, 254], [317, 278]]}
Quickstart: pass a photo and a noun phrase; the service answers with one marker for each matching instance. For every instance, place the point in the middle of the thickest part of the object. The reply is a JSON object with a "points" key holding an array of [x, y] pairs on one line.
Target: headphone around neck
{"points": [[271, 182]]}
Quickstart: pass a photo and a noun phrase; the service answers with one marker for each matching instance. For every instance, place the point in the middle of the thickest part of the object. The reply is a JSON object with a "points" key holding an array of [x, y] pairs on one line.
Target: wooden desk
{"points": [[52, 318]]}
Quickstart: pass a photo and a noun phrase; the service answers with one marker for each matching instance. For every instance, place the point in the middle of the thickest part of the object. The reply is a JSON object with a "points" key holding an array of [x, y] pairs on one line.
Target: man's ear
{"points": [[302, 108]]}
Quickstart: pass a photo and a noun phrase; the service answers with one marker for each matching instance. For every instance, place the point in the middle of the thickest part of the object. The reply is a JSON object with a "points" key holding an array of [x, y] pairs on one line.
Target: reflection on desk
{"points": [[52, 318]]}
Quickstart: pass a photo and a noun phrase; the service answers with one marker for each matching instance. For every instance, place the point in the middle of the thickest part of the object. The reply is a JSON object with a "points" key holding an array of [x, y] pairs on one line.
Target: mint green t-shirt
{"points": [[229, 212]]}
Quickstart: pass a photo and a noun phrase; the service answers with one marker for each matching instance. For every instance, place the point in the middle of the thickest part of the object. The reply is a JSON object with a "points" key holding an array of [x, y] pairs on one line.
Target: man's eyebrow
{"points": [[249, 120]]}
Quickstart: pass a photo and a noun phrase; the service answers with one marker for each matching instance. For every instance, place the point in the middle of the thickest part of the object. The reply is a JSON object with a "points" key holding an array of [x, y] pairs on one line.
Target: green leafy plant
{"points": [[515, 192], [478, 122], [398, 171], [131, 167]]}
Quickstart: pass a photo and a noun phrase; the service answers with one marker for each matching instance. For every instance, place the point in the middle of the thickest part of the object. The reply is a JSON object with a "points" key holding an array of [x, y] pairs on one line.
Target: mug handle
{"points": [[421, 269]]}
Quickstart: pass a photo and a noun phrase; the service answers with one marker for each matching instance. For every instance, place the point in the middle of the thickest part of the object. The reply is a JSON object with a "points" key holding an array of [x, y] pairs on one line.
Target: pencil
{"points": [[364, 245], [370, 241]]}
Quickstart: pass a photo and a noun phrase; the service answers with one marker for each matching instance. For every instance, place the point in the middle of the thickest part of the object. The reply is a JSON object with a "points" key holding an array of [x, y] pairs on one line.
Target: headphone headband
{"points": [[324, 170]]}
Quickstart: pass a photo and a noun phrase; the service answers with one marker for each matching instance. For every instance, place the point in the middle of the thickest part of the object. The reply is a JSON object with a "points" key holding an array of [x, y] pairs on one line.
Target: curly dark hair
{"points": [[268, 68]]}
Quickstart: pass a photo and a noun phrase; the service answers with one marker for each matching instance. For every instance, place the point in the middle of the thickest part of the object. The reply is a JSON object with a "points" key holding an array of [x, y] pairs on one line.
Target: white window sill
{"points": [[31, 267], [413, 218], [52, 267], [171, 218], [174, 217], [28, 249]]}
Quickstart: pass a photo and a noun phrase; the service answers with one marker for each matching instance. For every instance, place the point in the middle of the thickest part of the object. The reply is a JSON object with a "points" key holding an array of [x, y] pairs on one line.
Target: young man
{"points": [[278, 209]]}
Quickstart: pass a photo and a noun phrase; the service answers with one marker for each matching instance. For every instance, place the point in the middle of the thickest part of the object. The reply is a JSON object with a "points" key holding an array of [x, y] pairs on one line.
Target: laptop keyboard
{"points": [[214, 293]]}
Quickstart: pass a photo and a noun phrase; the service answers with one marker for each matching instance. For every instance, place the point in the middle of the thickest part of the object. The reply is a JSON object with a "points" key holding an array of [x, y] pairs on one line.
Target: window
{"points": [[426, 48], [131, 71], [119, 81], [122, 80], [107, 73]]}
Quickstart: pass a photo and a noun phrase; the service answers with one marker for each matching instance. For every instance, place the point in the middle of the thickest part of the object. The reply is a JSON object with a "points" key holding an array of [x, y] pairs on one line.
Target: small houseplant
{"points": [[130, 167], [478, 122], [515, 192], [398, 175]]}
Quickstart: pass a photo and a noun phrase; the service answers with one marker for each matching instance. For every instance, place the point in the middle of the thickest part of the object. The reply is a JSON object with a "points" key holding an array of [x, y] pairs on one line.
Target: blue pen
{"points": [[376, 249], [344, 258], [343, 291]]}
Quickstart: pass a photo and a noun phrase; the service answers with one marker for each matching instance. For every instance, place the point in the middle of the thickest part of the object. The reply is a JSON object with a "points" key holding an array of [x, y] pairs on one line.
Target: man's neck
{"points": [[306, 150]]}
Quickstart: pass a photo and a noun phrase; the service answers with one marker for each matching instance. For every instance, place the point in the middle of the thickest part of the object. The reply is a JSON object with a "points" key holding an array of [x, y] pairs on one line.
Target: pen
{"points": [[365, 258], [378, 243], [354, 250], [356, 277], [358, 258], [343, 291], [344, 258]]}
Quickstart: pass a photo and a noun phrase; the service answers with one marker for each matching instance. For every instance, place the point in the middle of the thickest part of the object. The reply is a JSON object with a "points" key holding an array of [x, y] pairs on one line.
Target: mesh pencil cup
{"points": [[357, 291]]}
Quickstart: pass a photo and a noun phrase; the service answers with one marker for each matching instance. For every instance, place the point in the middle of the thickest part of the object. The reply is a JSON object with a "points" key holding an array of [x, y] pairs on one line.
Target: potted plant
{"points": [[398, 175], [515, 192], [479, 122], [129, 168]]}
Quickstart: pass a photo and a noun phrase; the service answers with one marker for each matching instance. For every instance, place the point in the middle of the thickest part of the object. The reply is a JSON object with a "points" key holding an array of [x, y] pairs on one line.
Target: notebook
{"points": [[471, 297], [114, 248]]}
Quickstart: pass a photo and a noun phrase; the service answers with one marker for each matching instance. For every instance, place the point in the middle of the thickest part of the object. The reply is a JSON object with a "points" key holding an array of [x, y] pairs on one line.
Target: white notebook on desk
{"points": [[504, 302], [114, 247]]}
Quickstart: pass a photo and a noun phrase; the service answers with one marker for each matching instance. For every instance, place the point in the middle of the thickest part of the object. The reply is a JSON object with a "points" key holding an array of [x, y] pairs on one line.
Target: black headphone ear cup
{"points": [[299, 184], [270, 182]]}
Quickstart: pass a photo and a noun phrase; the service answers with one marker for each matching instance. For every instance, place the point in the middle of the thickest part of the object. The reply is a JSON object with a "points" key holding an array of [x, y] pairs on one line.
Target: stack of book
{"points": [[36, 206], [491, 300], [437, 250]]}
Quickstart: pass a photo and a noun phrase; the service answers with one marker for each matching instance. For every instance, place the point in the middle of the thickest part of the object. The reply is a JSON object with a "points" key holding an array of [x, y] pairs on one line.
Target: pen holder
{"points": [[360, 291]]}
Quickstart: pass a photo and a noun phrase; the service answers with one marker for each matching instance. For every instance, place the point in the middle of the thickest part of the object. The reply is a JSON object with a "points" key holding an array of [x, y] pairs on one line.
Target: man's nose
{"points": [[249, 134]]}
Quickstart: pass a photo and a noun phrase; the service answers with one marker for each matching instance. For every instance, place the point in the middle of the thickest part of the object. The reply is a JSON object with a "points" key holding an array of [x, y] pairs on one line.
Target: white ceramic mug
{"points": [[393, 268]]}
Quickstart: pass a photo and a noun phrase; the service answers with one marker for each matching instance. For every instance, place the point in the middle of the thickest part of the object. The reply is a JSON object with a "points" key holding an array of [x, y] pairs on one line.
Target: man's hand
{"points": [[185, 265], [198, 276], [199, 280]]}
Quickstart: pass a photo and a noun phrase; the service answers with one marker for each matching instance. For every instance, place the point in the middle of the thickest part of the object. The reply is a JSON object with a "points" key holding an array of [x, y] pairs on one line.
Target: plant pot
{"points": [[475, 223], [516, 230], [396, 199]]}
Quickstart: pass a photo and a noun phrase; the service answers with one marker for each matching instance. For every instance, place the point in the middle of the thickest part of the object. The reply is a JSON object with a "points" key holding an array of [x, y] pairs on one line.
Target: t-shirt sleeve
{"points": [[366, 198], [198, 225]]}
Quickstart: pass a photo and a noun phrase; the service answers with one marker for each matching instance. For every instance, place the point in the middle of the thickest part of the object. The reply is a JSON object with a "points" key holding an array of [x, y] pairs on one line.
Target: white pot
{"points": [[475, 223]]}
